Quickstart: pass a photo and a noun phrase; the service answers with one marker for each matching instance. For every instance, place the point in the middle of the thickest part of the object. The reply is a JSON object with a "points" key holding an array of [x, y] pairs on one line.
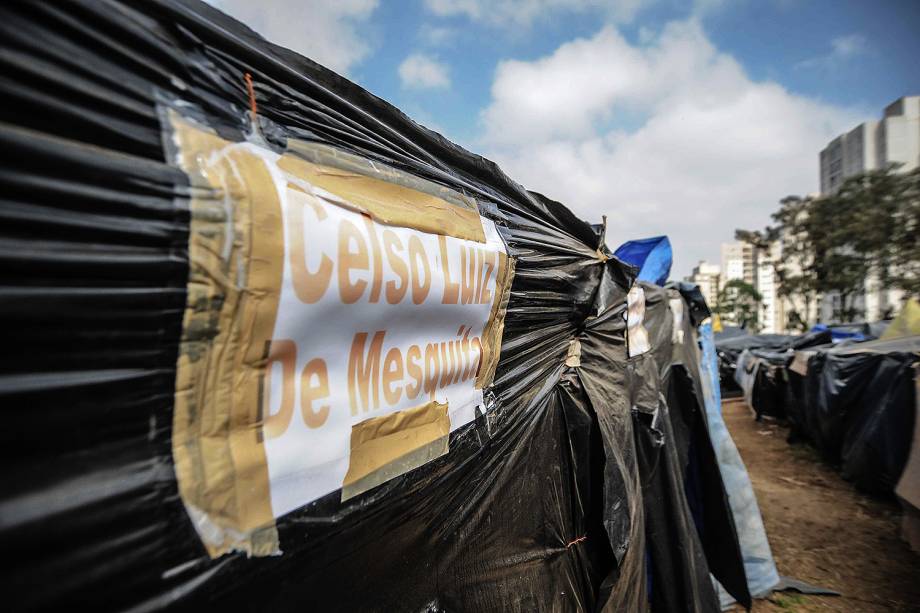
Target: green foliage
{"points": [[788, 602], [738, 303], [871, 225]]}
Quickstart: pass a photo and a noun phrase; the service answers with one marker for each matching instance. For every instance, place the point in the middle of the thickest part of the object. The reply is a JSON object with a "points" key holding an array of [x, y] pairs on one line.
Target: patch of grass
{"points": [[787, 601]]}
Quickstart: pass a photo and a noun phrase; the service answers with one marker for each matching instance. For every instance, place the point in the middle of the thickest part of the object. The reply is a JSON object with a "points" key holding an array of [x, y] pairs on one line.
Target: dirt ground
{"points": [[821, 529]]}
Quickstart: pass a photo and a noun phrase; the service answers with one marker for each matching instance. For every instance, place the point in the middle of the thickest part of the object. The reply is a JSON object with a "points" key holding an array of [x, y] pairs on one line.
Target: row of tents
{"points": [[850, 394]]}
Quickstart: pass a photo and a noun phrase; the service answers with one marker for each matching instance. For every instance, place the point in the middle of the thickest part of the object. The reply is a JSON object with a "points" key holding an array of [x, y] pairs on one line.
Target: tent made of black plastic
{"points": [[857, 404], [272, 345]]}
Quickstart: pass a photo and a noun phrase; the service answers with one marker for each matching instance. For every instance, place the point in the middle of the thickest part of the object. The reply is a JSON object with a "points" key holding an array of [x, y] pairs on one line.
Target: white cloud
{"points": [[705, 7], [522, 13], [419, 71], [326, 32], [435, 36], [849, 45], [843, 49], [712, 150]]}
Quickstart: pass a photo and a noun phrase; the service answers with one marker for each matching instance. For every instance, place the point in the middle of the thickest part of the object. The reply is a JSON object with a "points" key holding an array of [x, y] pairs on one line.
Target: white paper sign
{"points": [[372, 319]]}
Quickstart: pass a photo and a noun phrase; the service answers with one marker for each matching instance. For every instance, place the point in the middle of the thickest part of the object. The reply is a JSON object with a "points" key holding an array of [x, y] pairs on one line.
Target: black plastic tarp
{"points": [[729, 349], [549, 500], [856, 404], [757, 365], [698, 310], [682, 485]]}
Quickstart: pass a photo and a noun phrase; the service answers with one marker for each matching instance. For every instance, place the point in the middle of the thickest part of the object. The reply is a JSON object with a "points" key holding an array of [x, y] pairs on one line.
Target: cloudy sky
{"points": [[685, 118]]}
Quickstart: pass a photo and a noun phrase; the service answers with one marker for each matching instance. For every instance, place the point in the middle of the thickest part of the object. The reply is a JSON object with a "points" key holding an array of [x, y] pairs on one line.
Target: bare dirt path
{"points": [[822, 530]]}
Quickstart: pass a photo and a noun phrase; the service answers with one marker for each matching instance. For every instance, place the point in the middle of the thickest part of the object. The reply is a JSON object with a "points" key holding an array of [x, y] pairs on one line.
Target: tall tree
{"points": [[739, 303], [797, 278], [905, 239], [831, 245]]}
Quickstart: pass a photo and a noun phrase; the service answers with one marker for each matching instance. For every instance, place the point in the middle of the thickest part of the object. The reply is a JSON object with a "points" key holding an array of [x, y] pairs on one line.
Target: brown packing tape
{"points": [[385, 447], [495, 327], [327, 155], [389, 202], [236, 253]]}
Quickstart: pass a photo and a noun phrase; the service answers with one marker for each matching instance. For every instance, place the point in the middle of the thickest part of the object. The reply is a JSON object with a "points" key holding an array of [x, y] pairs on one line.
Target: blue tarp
{"points": [[759, 566], [841, 333], [651, 255]]}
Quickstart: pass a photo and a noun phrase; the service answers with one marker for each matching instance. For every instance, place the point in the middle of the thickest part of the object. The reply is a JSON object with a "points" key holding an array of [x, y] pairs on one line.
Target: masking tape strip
{"points": [[573, 357], [637, 337], [387, 195], [233, 292], [385, 447]]}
